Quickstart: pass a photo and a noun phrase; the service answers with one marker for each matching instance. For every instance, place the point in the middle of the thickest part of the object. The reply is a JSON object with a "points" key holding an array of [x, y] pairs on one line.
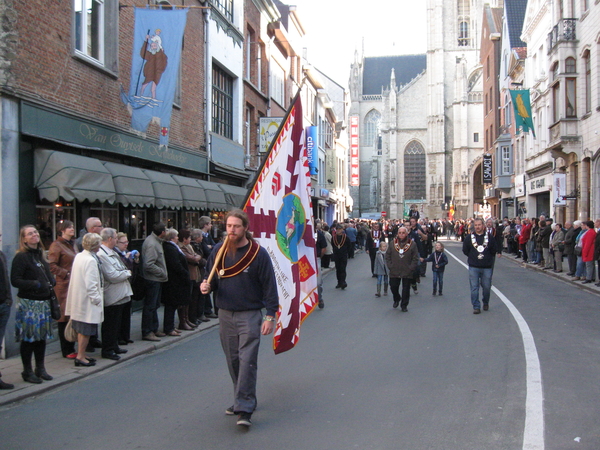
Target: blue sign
{"points": [[312, 149]]}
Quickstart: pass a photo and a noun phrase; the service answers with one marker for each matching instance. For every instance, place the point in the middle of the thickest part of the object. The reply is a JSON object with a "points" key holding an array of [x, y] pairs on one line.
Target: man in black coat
{"points": [[341, 245]]}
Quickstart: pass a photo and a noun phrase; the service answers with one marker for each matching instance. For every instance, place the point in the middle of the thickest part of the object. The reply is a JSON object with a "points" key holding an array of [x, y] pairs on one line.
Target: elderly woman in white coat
{"points": [[117, 293], [85, 299]]}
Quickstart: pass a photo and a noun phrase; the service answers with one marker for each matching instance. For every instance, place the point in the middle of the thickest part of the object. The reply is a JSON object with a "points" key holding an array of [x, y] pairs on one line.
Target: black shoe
{"points": [[244, 419], [338, 286], [476, 311], [344, 286], [40, 372], [211, 316], [570, 274], [90, 359], [30, 377], [120, 351], [122, 342], [111, 355], [434, 292], [5, 386], [486, 306], [586, 281], [440, 293], [229, 411], [79, 363], [404, 310], [396, 303], [321, 304]]}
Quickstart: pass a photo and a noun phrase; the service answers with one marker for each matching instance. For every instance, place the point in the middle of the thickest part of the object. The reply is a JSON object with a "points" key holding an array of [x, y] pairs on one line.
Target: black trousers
{"points": [[372, 255], [340, 270], [395, 288], [125, 328], [111, 327]]}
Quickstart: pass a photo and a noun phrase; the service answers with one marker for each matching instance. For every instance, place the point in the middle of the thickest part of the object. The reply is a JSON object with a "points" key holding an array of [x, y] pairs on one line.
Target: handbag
{"points": [[54, 306], [70, 333], [578, 251]]}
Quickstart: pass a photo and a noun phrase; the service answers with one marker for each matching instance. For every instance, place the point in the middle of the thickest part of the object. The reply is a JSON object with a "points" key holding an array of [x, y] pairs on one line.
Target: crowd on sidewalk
{"points": [[86, 285]]}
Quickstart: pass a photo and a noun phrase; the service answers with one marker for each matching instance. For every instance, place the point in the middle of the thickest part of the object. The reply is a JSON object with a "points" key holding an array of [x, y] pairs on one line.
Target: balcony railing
{"points": [[564, 30]]}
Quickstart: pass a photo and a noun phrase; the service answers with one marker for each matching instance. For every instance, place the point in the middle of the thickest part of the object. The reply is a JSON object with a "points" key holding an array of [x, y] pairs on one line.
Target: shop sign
{"points": [[487, 169], [354, 160], [62, 128], [312, 149], [540, 184], [560, 189], [268, 127], [520, 185]]}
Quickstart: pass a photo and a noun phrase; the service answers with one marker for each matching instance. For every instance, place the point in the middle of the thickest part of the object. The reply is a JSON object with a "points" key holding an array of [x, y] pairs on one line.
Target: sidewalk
{"points": [[591, 287], [64, 371]]}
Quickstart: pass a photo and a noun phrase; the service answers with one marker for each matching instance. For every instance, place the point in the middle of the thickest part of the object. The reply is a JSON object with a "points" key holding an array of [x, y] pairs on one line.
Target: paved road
{"points": [[364, 376]]}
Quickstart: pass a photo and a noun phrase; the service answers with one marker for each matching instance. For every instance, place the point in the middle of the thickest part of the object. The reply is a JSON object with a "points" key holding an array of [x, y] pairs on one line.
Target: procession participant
{"points": [[402, 258], [480, 251], [438, 260], [341, 244], [381, 270], [245, 267], [372, 244]]}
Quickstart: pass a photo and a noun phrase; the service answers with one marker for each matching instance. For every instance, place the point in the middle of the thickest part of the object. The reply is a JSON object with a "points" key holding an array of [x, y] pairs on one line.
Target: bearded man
{"points": [[156, 62], [402, 259], [245, 284]]}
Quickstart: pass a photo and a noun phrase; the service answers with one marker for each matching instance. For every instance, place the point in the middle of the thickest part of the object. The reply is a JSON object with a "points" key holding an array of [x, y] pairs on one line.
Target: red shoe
{"points": [[71, 356]]}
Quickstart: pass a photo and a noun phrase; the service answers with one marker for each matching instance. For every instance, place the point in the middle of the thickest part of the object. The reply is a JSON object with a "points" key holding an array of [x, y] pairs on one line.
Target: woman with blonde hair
{"points": [[85, 300], [31, 275]]}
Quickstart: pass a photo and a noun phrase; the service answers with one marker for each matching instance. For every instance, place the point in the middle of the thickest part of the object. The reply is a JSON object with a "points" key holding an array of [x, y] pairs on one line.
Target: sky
{"points": [[336, 28]]}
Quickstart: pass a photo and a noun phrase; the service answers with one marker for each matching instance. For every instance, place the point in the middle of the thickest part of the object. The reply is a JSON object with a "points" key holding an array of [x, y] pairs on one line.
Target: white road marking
{"points": [[533, 432]]}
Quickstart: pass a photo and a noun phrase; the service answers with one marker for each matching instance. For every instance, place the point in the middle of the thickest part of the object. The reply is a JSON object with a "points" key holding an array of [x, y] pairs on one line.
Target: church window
{"points": [[414, 172], [372, 125], [464, 12]]}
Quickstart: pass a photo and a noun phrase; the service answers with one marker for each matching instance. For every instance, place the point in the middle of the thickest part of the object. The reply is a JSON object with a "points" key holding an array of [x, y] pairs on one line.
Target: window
{"points": [[414, 172], [48, 215], [463, 13], [508, 111], [222, 103], [371, 128], [588, 81], [137, 224], [226, 7], [555, 95], [570, 97], [169, 218], [505, 160], [475, 137], [89, 28], [95, 32], [107, 214], [570, 65], [463, 34], [278, 83], [585, 4]]}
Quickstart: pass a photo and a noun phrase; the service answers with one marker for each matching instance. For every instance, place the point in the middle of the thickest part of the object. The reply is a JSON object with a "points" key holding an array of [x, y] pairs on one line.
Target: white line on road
{"points": [[533, 433]]}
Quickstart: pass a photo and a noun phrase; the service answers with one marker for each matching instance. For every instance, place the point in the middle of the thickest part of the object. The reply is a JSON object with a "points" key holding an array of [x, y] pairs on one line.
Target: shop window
{"points": [[169, 218], [137, 224], [48, 215], [109, 216], [191, 219]]}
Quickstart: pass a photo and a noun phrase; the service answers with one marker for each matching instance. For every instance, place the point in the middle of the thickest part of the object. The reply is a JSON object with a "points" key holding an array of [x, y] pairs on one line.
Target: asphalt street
{"points": [[363, 376]]}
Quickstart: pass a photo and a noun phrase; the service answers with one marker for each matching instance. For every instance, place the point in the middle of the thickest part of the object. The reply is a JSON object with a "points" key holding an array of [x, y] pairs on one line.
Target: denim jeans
{"points": [[580, 272], [438, 281], [151, 305], [382, 279], [480, 276]]}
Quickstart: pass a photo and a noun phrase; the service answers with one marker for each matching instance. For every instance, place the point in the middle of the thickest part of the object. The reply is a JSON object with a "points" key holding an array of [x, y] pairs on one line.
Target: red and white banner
{"points": [[354, 175], [280, 213]]}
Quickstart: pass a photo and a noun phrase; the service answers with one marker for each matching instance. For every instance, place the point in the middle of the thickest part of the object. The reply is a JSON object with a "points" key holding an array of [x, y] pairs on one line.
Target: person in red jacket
{"points": [[524, 238], [587, 251]]}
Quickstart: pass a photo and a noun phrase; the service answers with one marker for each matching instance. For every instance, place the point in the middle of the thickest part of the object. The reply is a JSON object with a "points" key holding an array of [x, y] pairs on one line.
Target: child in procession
{"points": [[380, 269], [439, 260]]}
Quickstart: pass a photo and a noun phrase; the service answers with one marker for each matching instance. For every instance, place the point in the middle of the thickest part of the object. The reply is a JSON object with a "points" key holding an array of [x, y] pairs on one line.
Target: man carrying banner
{"points": [[243, 266]]}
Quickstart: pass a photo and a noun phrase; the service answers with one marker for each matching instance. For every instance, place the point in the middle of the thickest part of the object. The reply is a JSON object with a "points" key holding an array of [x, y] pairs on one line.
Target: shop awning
{"points": [[166, 191], [234, 195], [132, 186], [215, 197], [72, 177], [193, 195]]}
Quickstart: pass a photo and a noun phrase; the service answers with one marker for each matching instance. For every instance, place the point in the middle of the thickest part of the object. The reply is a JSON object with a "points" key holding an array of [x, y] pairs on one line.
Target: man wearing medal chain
{"points": [[245, 284], [402, 259], [480, 249], [341, 247]]}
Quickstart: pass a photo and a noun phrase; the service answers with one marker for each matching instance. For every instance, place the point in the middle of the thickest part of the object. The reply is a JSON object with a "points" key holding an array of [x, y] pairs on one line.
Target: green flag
{"points": [[522, 107]]}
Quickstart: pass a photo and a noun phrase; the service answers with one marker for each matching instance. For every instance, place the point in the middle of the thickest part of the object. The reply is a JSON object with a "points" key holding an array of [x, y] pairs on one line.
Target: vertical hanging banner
{"points": [[560, 189], [312, 149], [280, 213], [354, 162], [487, 172], [157, 41], [522, 106]]}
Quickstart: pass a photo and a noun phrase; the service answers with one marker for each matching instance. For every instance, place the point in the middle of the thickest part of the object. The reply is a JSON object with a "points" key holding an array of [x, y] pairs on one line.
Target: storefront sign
{"points": [[62, 128], [540, 184], [487, 169], [312, 150], [519, 185], [560, 189], [354, 162]]}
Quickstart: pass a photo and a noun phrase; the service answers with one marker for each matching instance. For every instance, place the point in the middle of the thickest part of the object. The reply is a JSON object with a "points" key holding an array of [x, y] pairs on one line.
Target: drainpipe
{"points": [[207, 84]]}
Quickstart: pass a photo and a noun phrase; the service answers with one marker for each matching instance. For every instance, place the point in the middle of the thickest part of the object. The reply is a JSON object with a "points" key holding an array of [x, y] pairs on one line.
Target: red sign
{"points": [[354, 176], [383, 214]]}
